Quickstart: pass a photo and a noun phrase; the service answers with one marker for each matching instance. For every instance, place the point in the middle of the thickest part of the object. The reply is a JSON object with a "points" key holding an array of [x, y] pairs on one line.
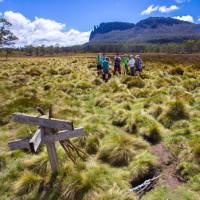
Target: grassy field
{"points": [[135, 128]]}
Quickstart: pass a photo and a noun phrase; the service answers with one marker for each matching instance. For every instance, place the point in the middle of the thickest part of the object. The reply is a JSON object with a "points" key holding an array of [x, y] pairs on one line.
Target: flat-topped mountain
{"points": [[156, 30]]}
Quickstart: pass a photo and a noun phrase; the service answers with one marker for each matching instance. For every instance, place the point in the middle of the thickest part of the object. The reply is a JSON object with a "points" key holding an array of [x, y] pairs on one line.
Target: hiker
{"points": [[106, 68], [138, 64], [132, 65], [125, 62], [117, 66], [99, 64]]}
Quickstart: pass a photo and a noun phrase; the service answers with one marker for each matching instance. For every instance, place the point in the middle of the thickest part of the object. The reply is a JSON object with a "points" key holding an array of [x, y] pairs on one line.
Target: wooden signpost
{"points": [[50, 131]]}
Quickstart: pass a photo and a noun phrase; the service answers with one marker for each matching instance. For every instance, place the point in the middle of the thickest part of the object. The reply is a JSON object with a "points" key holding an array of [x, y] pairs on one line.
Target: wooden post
{"points": [[51, 149]]}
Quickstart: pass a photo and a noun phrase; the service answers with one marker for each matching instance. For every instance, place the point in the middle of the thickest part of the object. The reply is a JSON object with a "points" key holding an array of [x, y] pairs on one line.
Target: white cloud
{"points": [[182, 1], [187, 18], [42, 31], [165, 9], [150, 10], [162, 9]]}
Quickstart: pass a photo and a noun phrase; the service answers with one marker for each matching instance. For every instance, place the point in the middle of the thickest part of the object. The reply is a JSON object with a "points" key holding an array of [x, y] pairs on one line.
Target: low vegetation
{"points": [[123, 119]]}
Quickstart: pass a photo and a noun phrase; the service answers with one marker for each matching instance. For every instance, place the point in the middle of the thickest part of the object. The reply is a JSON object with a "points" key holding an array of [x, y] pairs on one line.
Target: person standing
{"points": [[117, 66], [125, 62], [132, 65], [138, 63], [99, 64], [106, 68]]}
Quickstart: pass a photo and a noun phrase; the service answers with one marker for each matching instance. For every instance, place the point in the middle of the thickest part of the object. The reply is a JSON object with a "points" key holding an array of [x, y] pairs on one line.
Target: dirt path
{"points": [[168, 166]]}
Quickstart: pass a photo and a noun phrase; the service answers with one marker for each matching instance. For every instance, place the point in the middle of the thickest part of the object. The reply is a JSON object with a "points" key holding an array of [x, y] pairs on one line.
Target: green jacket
{"points": [[125, 60]]}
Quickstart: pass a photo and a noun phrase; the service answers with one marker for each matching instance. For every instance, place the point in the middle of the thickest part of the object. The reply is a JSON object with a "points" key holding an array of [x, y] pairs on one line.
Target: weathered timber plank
{"points": [[63, 135], [19, 144], [43, 121], [36, 140], [51, 149]]}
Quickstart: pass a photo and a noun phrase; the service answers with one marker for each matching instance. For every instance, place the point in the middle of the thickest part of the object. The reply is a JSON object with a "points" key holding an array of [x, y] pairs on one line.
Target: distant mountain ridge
{"points": [[153, 30]]}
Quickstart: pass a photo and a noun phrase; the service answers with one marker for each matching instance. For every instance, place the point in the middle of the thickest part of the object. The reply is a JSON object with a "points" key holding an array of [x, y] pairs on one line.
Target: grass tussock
{"points": [[142, 168], [175, 111], [115, 192], [37, 163], [26, 183], [118, 150]]}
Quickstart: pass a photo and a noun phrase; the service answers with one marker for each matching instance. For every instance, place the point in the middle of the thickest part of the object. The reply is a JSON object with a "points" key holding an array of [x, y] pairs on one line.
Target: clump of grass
{"points": [[143, 168], [85, 181], [155, 111], [195, 148], [37, 163], [102, 101], [194, 182], [176, 110], [114, 193], [118, 150], [92, 145], [116, 86], [123, 97], [120, 118], [166, 193], [84, 85], [176, 71], [34, 71], [187, 170], [131, 125], [182, 124], [152, 134], [2, 162], [191, 84], [97, 81], [132, 82], [26, 183]]}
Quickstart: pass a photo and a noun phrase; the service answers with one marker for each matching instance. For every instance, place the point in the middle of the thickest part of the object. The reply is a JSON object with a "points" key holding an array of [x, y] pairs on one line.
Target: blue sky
{"points": [[82, 15]]}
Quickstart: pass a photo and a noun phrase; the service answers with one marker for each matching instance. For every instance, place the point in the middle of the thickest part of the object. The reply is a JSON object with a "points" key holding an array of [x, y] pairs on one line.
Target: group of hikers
{"points": [[128, 65]]}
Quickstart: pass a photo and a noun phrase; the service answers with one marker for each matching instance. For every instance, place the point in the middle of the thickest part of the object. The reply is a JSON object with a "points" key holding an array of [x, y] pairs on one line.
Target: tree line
{"points": [[8, 39]]}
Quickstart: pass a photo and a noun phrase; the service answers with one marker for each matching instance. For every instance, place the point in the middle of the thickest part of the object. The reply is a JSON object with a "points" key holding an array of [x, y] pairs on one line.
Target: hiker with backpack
{"points": [[132, 65], [106, 69], [117, 65], [125, 61], [138, 64], [99, 64]]}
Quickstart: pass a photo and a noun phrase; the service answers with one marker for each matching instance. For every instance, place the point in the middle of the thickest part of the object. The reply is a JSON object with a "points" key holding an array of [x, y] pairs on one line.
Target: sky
{"points": [[69, 22]]}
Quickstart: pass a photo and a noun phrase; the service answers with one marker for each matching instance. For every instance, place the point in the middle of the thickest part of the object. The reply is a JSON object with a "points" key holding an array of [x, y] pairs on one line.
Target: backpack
{"points": [[117, 61]]}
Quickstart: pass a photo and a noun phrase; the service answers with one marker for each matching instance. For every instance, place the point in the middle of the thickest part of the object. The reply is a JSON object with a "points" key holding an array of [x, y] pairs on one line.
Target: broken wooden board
{"points": [[19, 144], [36, 140], [43, 121], [63, 135]]}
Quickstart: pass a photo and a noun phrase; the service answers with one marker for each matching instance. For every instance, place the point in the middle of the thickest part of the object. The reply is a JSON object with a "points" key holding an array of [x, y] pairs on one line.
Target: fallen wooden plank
{"points": [[36, 140], [63, 135], [19, 144], [43, 121]]}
